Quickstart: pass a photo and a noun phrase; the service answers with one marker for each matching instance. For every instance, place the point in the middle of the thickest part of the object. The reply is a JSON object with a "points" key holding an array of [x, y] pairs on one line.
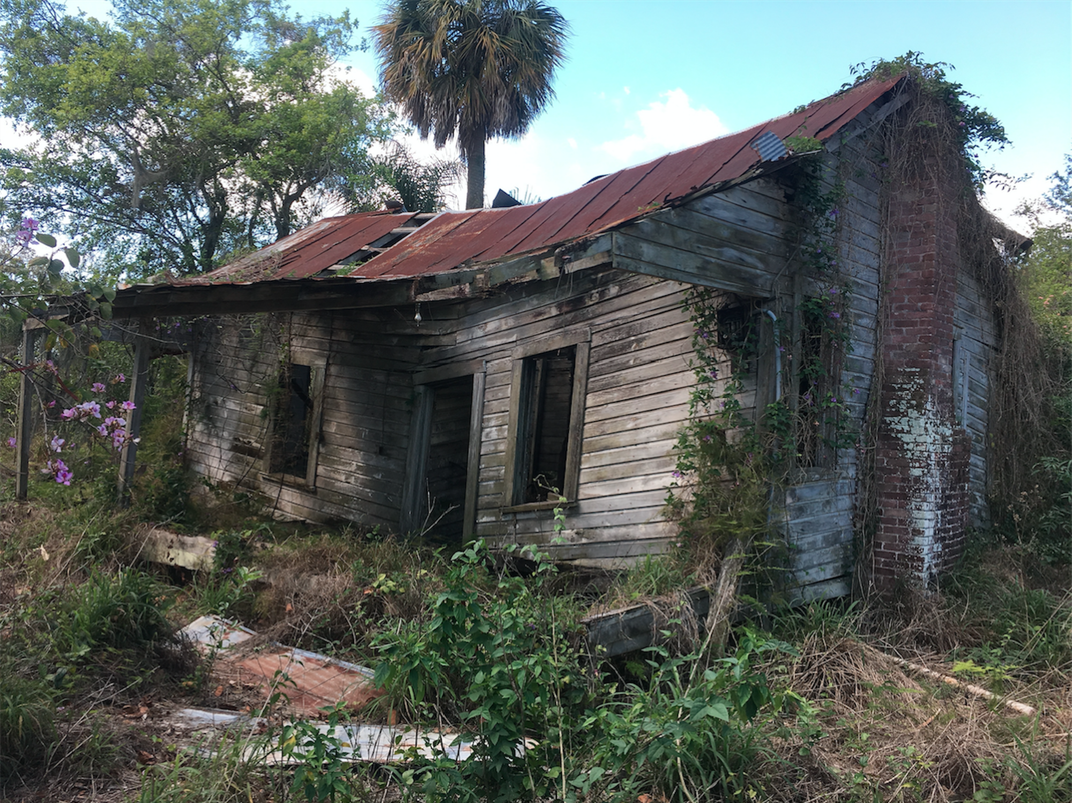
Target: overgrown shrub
{"points": [[27, 725], [126, 610], [498, 657], [686, 736]]}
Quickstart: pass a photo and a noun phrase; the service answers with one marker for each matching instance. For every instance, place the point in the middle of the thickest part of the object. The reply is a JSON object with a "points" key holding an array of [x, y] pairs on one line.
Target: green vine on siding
{"points": [[727, 463]]}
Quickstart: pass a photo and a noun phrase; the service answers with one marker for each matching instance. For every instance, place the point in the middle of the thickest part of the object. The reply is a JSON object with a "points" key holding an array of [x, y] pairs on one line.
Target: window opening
{"points": [[292, 426], [817, 377], [544, 425]]}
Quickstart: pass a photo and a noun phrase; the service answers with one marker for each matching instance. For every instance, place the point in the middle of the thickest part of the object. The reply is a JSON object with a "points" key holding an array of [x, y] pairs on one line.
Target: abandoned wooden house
{"points": [[466, 373]]}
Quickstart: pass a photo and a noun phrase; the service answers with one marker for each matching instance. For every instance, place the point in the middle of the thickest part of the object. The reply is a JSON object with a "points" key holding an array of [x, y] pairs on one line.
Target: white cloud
{"points": [[666, 126], [16, 136]]}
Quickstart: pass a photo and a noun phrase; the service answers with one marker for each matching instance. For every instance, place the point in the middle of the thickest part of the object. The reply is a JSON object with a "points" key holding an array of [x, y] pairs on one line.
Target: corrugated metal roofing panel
{"points": [[453, 240], [309, 251]]}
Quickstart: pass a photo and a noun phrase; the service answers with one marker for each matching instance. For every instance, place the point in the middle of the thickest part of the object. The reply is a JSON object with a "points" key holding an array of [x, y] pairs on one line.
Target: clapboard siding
{"points": [[363, 431], [975, 325]]}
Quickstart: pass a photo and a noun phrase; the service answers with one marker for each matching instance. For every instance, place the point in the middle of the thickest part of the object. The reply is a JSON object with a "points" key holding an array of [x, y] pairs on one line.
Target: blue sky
{"points": [[644, 77]]}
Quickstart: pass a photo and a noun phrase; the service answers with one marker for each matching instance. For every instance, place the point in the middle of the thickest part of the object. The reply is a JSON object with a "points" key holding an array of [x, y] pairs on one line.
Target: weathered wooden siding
{"points": [[636, 399], [364, 421], [974, 321], [820, 506]]}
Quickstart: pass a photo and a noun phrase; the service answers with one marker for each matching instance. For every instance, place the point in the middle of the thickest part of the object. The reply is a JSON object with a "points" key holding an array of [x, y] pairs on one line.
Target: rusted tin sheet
{"points": [[306, 253], [309, 680], [459, 239]]}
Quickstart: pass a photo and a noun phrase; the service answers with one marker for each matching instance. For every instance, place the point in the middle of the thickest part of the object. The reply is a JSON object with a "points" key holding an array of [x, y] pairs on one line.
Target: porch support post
{"points": [[138, 382], [25, 421]]}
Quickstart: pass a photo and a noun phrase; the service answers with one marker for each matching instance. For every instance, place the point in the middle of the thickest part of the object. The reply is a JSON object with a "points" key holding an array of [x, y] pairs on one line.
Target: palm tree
{"points": [[473, 68]]}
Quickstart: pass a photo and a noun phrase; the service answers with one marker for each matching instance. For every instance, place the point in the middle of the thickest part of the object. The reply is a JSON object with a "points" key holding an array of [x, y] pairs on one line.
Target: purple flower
{"points": [[12, 443], [57, 444], [833, 291], [59, 471], [97, 387], [110, 405], [676, 475], [51, 404], [119, 379], [835, 314], [26, 231], [127, 405]]}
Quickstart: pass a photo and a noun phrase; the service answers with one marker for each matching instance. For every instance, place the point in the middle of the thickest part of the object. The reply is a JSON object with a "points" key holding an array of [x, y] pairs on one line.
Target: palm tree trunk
{"points": [[474, 196]]}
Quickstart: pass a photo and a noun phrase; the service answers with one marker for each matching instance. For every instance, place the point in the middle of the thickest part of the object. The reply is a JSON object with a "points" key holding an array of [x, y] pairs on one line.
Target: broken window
{"points": [[295, 422], [546, 423], [818, 382]]}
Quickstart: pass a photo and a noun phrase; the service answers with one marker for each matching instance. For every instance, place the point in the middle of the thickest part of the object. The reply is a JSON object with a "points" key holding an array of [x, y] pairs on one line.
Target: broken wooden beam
{"points": [[635, 627]]}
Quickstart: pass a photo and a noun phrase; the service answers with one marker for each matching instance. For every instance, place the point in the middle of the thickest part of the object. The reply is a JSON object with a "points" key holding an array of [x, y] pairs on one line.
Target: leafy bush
{"points": [[497, 657], [687, 736], [502, 663]]}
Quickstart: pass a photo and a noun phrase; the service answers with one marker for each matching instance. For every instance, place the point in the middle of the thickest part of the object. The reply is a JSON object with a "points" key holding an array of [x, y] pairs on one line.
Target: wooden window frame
{"points": [[581, 340], [317, 370]]}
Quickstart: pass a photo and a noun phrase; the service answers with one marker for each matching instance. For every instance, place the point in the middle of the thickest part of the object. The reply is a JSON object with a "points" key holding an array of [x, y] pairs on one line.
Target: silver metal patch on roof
{"points": [[769, 147]]}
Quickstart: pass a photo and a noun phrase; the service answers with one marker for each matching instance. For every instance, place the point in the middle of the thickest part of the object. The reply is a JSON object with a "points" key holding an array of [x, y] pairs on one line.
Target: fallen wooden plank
{"points": [[628, 629], [175, 549]]}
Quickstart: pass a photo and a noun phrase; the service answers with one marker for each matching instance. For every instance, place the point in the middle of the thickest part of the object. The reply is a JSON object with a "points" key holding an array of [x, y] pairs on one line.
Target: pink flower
{"points": [[110, 405], [83, 410], [127, 405], [119, 379], [97, 387]]}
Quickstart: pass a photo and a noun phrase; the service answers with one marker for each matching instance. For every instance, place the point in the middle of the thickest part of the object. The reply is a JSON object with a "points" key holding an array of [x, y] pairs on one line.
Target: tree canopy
{"points": [[182, 130], [1047, 270], [474, 69]]}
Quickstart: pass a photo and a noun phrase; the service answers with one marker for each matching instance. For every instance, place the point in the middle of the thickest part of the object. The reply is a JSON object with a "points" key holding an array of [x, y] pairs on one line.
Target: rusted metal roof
{"points": [[459, 239], [311, 251]]}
